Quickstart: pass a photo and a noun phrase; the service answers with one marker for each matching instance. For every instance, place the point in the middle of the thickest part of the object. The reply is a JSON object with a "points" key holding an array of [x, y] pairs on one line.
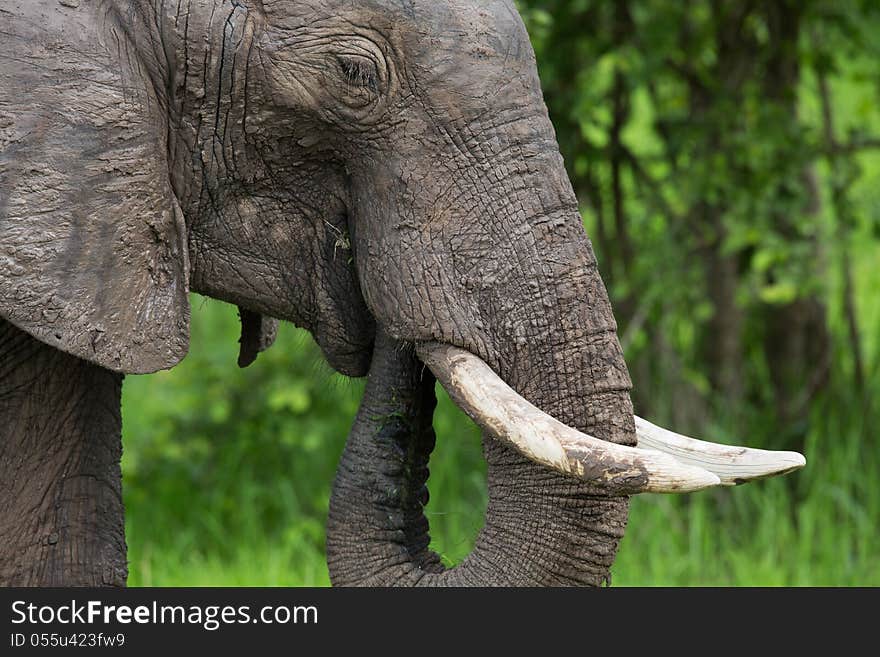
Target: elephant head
{"points": [[383, 173]]}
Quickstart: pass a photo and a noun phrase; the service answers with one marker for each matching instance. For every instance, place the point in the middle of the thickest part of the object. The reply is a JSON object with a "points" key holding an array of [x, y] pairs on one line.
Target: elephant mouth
{"points": [[662, 462]]}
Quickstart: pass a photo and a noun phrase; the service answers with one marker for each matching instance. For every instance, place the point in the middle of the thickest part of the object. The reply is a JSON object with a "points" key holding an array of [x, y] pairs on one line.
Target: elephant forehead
{"points": [[491, 28]]}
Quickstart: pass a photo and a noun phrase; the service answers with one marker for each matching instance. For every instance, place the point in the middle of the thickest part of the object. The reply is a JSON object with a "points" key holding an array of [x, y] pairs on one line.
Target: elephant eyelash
{"points": [[360, 72]]}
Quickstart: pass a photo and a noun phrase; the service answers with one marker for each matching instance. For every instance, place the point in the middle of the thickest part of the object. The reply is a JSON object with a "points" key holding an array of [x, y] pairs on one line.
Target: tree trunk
{"points": [[723, 349], [62, 519]]}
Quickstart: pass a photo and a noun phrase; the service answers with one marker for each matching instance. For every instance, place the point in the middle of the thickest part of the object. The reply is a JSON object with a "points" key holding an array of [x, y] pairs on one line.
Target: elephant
{"points": [[383, 173]]}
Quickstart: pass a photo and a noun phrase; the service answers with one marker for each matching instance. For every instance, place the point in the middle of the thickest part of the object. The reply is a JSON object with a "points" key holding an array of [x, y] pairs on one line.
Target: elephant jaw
{"points": [[663, 461]]}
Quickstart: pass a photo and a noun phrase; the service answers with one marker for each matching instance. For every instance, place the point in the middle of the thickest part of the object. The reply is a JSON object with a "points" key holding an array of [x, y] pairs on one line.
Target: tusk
{"points": [[733, 465], [506, 416]]}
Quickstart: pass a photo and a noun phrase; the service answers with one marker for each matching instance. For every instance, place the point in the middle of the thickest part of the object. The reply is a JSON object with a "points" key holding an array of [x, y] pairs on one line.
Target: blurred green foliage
{"points": [[727, 157]]}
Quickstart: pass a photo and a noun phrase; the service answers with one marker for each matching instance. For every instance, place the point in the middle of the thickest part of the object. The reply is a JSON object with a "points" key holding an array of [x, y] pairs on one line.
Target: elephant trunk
{"points": [[377, 533], [542, 527]]}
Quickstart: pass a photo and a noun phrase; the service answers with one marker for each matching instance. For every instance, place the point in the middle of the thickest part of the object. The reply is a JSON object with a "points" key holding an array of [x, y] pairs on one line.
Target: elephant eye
{"points": [[359, 71]]}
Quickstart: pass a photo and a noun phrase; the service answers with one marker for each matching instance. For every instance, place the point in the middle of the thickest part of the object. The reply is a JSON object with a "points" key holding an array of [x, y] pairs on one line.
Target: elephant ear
{"points": [[93, 256]]}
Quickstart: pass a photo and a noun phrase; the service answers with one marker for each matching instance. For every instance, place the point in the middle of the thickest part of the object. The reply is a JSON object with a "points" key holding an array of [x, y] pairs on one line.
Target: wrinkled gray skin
{"points": [[380, 172]]}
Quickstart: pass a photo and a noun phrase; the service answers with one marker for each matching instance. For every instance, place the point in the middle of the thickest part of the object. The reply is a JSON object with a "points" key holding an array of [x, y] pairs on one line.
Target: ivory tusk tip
{"points": [[778, 463], [733, 464]]}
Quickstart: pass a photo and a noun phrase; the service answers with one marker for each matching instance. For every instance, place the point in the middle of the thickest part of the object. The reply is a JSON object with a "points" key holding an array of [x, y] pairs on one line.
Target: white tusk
{"points": [[506, 416], [733, 465]]}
